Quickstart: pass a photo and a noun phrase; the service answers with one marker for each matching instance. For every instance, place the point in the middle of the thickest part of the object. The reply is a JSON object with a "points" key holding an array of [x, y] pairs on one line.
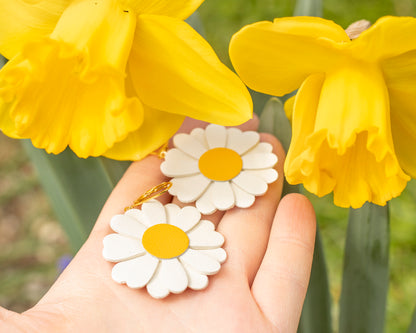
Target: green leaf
{"points": [[308, 8], [273, 120], [77, 188], [195, 22], [316, 312], [366, 270], [412, 327]]}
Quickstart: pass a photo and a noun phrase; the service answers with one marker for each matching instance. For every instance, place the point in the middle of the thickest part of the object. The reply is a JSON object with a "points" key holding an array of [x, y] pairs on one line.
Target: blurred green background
{"points": [[32, 241]]}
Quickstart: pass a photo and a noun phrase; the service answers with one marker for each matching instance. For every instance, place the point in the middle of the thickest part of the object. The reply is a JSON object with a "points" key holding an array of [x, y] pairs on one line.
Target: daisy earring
{"points": [[219, 168], [164, 248]]}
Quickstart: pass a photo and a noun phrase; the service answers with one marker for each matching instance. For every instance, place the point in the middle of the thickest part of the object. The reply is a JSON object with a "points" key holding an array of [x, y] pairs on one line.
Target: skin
{"points": [[260, 288]]}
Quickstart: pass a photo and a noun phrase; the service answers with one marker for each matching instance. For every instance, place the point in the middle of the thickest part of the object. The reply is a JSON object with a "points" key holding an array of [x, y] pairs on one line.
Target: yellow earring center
{"points": [[165, 241], [220, 164]]}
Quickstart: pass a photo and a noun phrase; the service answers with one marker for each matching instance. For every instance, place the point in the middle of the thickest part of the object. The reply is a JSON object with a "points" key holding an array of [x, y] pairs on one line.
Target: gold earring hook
{"points": [[153, 193], [161, 152]]}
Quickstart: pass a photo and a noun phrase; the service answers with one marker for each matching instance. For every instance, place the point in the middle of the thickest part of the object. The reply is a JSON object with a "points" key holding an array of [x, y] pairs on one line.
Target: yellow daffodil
{"points": [[354, 115], [109, 77]]}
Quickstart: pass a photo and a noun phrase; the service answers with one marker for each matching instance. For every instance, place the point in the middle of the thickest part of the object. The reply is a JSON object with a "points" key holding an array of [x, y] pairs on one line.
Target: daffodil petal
{"points": [[289, 104], [389, 36], [26, 21], [178, 8], [69, 89], [7, 125], [400, 76], [157, 128], [303, 122], [275, 58], [175, 70], [351, 156]]}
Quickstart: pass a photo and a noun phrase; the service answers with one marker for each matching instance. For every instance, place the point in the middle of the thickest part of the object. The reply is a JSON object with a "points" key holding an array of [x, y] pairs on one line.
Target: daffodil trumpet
{"points": [[109, 77], [354, 116]]}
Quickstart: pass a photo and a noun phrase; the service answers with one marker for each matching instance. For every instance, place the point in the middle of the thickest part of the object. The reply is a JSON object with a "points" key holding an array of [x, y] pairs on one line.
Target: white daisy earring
{"points": [[164, 248], [219, 168]]}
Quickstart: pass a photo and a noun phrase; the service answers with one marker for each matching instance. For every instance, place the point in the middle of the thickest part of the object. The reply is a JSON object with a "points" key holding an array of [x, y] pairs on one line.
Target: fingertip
{"points": [[284, 274], [298, 210]]}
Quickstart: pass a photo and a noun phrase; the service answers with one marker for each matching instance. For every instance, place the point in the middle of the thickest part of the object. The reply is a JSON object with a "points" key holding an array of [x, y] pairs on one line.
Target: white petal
{"points": [[120, 248], [204, 236], [127, 225], [197, 281], [178, 164], [138, 215], [135, 272], [189, 188], [204, 204], [200, 262], [219, 254], [170, 277], [242, 198], [222, 195], [171, 211], [250, 183], [240, 141], [187, 218], [199, 134], [189, 145], [253, 160], [262, 147], [154, 211], [268, 175], [216, 136]]}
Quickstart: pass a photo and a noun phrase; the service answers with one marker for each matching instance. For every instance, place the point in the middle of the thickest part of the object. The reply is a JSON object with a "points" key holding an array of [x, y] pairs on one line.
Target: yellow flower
{"points": [[109, 77], [354, 115]]}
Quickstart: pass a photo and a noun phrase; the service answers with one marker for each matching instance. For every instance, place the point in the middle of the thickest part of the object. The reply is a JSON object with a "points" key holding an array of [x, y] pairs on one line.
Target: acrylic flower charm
{"points": [[164, 248], [354, 115], [219, 168], [109, 77]]}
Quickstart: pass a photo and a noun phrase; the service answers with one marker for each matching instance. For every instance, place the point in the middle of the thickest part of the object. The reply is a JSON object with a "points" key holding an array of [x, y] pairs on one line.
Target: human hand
{"points": [[260, 288]]}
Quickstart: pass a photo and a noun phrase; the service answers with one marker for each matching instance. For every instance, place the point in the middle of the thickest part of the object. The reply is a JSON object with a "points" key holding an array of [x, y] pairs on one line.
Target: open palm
{"points": [[260, 288]]}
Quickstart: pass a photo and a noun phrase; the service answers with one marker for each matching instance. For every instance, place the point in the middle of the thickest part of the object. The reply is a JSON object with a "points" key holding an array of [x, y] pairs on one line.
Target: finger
{"points": [[284, 273], [246, 230], [140, 177]]}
